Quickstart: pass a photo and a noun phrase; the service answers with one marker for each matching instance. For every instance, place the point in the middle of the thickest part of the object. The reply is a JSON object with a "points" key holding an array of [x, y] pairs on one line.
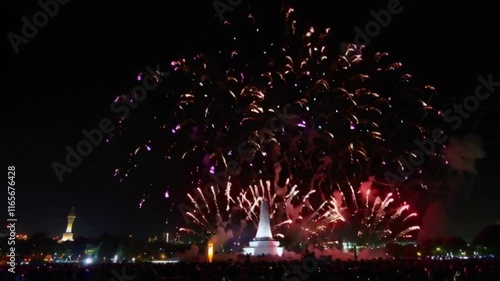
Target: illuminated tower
{"points": [[68, 235], [263, 243], [264, 229]]}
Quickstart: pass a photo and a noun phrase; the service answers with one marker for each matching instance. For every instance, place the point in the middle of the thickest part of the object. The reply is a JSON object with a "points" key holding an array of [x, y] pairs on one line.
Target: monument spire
{"points": [[263, 243], [264, 229], [68, 235]]}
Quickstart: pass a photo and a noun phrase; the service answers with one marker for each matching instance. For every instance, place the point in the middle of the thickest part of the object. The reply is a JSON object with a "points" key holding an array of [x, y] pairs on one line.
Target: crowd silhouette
{"points": [[337, 270]]}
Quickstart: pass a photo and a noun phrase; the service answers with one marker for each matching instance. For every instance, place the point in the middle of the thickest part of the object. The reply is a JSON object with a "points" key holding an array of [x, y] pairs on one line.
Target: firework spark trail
{"points": [[195, 219], [282, 223], [216, 203], [253, 192], [203, 198], [353, 195], [318, 210], [196, 206], [263, 192], [378, 201], [388, 199], [182, 229], [408, 230], [409, 216], [250, 210], [380, 213], [335, 209], [305, 201], [271, 198], [228, 196], [400, 210], [242, 200]]}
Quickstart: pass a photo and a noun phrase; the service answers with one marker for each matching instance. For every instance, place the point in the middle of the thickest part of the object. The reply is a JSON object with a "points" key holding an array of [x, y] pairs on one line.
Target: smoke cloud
{"points": [[220, 237], [194, 255], [462, 153], [190, 254], [434, 223]]}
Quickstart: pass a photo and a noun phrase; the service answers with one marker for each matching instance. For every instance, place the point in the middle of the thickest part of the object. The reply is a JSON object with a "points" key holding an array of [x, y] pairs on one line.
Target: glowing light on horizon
{"points": [[210, 254]]}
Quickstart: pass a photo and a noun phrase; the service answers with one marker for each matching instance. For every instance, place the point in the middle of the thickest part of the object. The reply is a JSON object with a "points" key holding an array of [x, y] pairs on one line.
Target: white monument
{"points": [[68, 235], [263, 243]]}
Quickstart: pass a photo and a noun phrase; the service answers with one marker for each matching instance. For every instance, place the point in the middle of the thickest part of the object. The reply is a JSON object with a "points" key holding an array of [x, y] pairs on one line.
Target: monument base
{"points": [[67, 237], [258, 248]]}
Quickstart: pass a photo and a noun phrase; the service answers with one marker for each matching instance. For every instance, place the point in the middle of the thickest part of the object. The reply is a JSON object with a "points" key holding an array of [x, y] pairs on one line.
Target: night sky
{"points": [[64, 79]]}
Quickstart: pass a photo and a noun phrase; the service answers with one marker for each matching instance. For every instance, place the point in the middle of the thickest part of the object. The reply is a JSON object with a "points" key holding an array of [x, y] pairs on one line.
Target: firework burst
{"points": [[287, 206], [375, 222], [293, 112], [380, 220]]}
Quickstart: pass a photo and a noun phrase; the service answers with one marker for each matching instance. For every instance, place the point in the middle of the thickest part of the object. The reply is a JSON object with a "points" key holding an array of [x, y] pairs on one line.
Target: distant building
{"points": [[163, 237], [68, 235], [152, 239]]}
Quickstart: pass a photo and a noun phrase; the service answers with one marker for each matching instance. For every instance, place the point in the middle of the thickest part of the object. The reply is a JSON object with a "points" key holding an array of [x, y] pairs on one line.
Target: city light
{"points": [[210, 252]]}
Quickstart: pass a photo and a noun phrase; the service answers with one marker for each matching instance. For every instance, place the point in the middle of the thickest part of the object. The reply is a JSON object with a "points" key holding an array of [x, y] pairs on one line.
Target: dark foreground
{"points": [[314, 270]]}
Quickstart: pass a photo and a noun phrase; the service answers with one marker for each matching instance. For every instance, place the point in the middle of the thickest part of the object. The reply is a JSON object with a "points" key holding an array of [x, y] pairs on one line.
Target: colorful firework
{"points": [[288, 206], [374, 223], [294, 112], [379, 219]]}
